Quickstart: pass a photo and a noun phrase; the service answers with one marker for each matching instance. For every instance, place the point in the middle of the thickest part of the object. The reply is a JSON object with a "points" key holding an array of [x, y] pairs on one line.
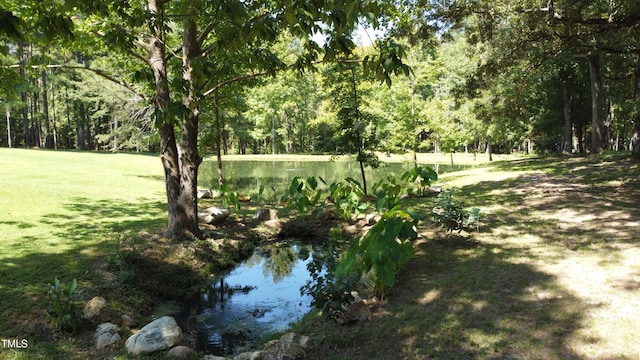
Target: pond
{"points": [[260, 296], [246, 177]]}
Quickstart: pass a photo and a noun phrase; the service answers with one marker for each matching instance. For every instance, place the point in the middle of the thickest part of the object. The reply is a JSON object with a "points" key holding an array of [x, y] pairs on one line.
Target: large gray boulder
{"points": [[213, 214], [157, 335], [106, 334]]}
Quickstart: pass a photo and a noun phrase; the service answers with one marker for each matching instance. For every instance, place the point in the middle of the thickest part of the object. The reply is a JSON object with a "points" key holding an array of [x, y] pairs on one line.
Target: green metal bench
{"points": [[471, 221]]}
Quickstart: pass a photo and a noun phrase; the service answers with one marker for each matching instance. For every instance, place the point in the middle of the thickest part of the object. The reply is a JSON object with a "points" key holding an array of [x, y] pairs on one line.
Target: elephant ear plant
{"points": [[63, 305]]}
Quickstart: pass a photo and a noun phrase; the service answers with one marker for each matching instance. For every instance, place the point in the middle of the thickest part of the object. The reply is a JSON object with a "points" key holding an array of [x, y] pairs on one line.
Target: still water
{"points": [[247, 177], [260, 296]]}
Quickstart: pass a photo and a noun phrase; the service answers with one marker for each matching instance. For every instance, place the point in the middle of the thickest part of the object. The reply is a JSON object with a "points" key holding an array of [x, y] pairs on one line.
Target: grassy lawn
{"points": [[60, 213], [554, 272]]}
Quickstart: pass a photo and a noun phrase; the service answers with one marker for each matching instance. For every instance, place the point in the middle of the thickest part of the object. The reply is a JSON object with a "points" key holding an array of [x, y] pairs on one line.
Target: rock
{"points": [[213, 357], [213, 214], [288, 347], [358, 311], [94, 308], [106, 334], [182, 352], [126, 321], [368, 198], [158, 335], [294, 338], [372, 219], [205, 194], [251, 355], [264, 214]]}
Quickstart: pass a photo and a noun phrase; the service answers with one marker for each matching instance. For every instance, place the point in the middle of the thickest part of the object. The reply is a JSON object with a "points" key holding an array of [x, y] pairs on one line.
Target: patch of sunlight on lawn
{"points": [[610, 290]]}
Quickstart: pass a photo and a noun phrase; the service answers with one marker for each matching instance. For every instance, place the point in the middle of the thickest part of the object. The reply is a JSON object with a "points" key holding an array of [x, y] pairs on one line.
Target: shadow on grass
{"points": [[460, 299], [476, 303], [582, 202]]}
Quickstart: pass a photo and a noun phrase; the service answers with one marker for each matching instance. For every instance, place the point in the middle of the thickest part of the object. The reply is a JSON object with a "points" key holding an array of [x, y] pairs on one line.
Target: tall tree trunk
{"points": [[45, 110], [597, 116], [53, 117], [216, 100], [23, 97], [69, 137], [568, 123], [635, 139], [354, 83], [190, 160], [9, 127]]}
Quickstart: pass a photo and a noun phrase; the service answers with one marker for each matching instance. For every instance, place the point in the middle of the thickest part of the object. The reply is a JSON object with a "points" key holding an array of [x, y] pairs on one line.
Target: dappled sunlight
{"points": [[429, 297], [580, 227]]}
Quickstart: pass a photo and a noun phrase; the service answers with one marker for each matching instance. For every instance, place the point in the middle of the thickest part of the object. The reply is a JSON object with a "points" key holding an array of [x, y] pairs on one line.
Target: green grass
{"points": [[553, 273], [60, 213]]}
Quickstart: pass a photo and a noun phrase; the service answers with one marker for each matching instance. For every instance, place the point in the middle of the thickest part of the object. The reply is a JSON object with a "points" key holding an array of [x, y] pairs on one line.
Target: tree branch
{"points": [[98, 72]]}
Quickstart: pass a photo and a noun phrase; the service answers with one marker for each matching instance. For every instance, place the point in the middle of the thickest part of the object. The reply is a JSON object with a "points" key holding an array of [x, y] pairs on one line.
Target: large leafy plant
{"points": [[421, 177], [63, 305], [384, 250], [347, 198]]}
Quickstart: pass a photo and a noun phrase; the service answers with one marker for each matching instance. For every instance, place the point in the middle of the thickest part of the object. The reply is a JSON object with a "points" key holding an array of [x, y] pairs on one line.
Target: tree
{"points": [[209, 42]]}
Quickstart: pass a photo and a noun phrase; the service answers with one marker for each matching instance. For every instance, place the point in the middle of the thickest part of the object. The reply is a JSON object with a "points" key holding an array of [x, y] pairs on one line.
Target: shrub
{"points": [[330, 291], [449, 212]]}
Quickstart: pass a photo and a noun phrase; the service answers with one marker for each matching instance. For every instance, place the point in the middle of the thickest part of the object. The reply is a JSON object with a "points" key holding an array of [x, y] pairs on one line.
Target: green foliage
{"points": [[63, 305], [383, 250], [346, 196], [421, 176], [230, 198], [330, 290], [303, 194], [449, 212], [388, 193]]}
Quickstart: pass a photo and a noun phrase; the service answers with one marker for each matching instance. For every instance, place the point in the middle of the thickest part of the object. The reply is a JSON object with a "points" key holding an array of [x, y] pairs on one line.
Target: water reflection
{"points": [[260, 296], [247, 176]]}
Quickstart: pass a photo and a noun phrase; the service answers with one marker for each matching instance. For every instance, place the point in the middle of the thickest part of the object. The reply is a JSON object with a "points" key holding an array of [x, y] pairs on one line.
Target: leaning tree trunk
{"points": [[597, 116]]}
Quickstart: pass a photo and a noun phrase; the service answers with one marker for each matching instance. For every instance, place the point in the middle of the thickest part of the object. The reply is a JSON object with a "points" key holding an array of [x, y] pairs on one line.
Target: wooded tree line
{"points": [[186, 78]]}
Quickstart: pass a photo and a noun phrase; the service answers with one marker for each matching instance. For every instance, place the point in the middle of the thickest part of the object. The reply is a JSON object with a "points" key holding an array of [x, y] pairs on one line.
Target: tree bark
{"points": [[23, 97], [189, 158], [597, 116], [45, 110], [568, 124], [635, 138], [180, 184], [9, 127]]}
